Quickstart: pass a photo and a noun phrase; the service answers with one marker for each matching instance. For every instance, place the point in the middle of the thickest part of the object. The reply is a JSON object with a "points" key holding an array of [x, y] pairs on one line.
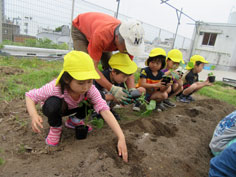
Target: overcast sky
{"points": [[161, 15]]}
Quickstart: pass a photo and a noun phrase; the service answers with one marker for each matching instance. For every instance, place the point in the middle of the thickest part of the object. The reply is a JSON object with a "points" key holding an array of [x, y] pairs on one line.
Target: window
{"points": [[209, 39]]}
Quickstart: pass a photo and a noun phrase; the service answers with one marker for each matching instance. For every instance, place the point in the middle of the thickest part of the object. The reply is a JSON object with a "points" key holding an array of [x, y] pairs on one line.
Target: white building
{"points": [[216, 42], [57, 37]]}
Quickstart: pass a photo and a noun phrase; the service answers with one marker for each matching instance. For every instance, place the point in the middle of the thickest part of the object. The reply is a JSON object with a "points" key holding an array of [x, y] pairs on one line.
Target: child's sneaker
{"points": [[190, 98], [160, 107], [54, 136], [168, 103], [183, 99], [136, 107], [73, 121]]}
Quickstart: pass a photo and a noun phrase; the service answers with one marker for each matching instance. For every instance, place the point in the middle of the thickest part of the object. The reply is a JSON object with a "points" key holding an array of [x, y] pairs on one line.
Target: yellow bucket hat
{"points": [[123, 63], [175, 55], [195, 58], [79, 65], [156, 52]]}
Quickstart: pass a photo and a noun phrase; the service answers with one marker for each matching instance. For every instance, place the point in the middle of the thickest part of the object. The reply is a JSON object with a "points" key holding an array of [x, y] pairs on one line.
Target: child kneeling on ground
{"points": [[151, 78], [173, 59], [191, 83], [62, 96], [121, 67]]}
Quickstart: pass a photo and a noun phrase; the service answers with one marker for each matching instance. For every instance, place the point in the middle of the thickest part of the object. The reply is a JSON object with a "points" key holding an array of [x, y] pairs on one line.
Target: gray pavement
{"points": [[219, 74]]}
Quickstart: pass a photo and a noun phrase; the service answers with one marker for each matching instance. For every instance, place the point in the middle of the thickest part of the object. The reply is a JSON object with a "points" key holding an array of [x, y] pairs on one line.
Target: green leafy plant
{"points": [[175, 75], [210, 74], [150, 106], [98, 123]]}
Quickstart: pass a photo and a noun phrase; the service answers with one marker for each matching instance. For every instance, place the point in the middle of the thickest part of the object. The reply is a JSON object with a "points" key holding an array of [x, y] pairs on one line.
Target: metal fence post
{"points": [[1, 19], [71, 19]]}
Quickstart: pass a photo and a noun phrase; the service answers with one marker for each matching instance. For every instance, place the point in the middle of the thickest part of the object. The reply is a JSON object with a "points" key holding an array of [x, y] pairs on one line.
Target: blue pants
{"points": [[225, 163]]}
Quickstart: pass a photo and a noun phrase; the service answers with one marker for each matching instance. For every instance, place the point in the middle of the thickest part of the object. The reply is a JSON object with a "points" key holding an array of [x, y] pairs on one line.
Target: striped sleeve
{"points": [[41, 94], [99, 104]]}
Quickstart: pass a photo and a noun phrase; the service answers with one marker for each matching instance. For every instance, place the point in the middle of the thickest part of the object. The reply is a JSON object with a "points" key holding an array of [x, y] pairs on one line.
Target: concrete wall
{"points": [[223, 52]]}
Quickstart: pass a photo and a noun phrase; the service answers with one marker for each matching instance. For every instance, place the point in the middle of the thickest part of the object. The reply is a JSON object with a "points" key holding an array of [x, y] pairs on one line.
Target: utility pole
{"points": [[179, 13], [176, 32], [117, 10]]}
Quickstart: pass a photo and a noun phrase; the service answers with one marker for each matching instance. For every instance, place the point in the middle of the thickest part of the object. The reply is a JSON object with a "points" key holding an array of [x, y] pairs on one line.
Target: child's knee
{"points": [[52, 105]]}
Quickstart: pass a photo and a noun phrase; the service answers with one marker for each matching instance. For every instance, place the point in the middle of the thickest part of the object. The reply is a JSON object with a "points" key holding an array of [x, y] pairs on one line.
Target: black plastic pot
{"points": [[211, 78], [81, 132], [166, 79]]}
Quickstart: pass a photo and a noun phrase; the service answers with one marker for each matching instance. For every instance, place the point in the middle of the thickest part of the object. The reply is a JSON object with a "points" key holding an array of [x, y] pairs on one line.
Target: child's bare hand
{"points": [[160, 84], [169, 84], [122, 149], [36, 123], [207, 83]]}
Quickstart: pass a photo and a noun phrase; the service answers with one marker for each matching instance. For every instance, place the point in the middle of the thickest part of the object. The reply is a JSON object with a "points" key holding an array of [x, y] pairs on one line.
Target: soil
{"points": [[173, 143]]}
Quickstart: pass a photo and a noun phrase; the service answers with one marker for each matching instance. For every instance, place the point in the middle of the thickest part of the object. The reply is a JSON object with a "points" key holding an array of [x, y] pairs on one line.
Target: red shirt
{"points": [[99, 30]]}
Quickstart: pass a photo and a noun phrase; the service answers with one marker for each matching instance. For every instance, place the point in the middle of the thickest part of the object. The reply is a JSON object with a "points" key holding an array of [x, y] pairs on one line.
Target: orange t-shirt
{"points": [[99, 30]]}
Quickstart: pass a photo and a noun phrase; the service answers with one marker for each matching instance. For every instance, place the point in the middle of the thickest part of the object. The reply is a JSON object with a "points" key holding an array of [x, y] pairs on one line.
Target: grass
{"points": [[221, 92], [35, 73]]}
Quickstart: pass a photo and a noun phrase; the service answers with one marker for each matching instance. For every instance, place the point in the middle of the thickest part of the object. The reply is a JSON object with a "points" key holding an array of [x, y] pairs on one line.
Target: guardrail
{"points": [[20, 51]]}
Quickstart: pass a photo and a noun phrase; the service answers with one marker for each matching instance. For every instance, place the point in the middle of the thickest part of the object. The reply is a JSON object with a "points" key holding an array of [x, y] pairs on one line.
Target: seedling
{"points": [[178, 75], [211, 77], [98, 123], [211, 74], [149, 106]]}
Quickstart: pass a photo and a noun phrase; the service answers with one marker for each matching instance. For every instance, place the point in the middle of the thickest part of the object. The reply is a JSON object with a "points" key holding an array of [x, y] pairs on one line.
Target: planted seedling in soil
{"points": [[149, 106], [81, 131]]}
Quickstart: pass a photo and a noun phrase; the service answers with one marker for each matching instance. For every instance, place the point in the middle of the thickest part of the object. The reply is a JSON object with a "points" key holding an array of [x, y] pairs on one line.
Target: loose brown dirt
{"points": [[173, 143]]}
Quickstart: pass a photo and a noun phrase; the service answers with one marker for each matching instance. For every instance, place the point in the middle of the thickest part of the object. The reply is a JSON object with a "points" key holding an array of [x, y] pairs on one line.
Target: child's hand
{"points": [[160, 84], [122, 149], [207, 83], [36, 123]]}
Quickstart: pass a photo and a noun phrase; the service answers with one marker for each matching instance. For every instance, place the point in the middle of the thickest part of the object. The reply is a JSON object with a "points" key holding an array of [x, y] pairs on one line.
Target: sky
{"points": [[54, 13], [163, 16]]}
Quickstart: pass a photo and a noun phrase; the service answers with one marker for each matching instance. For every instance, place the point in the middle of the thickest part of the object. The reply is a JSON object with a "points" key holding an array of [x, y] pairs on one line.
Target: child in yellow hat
{"points": [[121, 68], [151, 78], [62, 96], [191, 83], [173, 59]]}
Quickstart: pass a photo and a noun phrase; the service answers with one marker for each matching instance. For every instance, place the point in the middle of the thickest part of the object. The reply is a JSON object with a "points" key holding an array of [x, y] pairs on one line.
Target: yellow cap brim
{"points": [[127, 70], [188, 68], [59, 77], [80, 75], [85, 75]]}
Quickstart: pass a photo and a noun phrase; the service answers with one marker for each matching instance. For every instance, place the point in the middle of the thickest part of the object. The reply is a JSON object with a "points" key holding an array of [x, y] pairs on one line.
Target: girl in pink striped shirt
{"points": [[61, 97]]}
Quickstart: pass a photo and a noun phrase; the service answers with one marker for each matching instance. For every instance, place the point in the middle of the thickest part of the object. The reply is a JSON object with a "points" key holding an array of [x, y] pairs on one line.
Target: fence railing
{"points": [[52, 19]]}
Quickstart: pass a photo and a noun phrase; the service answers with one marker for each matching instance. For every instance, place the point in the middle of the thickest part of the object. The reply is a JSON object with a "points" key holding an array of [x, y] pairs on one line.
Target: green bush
{"points": [[40, 43]]}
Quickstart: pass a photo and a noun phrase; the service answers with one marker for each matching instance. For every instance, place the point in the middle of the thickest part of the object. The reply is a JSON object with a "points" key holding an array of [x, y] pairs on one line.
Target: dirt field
{"points": [[173, 143]]}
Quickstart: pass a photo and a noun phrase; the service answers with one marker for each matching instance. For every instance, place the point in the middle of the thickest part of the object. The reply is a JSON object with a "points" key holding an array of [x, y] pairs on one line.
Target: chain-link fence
{"points": [[40, 19]]}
